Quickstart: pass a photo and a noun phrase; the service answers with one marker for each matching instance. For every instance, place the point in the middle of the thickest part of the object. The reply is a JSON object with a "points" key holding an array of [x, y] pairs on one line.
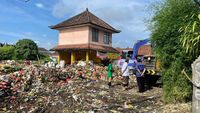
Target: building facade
{"points": [[82, 37]]}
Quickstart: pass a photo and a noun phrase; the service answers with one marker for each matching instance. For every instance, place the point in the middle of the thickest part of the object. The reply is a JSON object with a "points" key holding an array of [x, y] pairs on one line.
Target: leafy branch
{"points": [[197, 2], [190, 37]]}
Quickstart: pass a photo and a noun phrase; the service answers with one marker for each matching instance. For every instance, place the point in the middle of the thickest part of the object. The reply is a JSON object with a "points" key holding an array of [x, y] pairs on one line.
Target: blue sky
{"points": [[19, 19]]}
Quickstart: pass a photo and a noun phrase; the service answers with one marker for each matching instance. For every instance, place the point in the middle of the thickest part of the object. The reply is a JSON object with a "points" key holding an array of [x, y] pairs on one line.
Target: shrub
{"points": [[26, 49], [169, 16], [6, 52]]}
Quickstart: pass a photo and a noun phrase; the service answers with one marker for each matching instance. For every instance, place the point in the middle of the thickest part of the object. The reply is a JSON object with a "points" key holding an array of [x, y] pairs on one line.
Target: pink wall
{"points": [[101, 36], [77, 35], [80, 35]]}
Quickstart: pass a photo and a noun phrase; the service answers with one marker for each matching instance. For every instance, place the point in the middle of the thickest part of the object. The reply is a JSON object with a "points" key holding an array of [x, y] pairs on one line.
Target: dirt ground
{"points": [[86, 96]]}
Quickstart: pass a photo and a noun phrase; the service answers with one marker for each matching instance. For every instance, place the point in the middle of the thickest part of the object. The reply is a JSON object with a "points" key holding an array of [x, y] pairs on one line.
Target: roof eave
{"points": [[71, 26], [84, 24], [113, 50], [117, 31], [111, 30], [52, 27]]}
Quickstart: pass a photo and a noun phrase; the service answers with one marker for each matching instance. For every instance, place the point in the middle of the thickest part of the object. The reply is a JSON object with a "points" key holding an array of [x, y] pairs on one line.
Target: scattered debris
{"points": [[36, 88]]}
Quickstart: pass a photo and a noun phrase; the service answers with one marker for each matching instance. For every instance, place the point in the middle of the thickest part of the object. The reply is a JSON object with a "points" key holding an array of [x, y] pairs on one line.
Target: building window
{"points": [[106, 38], [95, 35]]}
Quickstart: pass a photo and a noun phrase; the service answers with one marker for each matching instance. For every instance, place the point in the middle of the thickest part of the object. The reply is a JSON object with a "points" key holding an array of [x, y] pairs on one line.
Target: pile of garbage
{"points": [[23, 80], [37, 88]]}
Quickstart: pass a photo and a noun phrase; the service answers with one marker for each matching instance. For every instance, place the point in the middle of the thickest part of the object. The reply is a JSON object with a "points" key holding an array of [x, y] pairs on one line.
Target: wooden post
{"points": [[196, 91]]}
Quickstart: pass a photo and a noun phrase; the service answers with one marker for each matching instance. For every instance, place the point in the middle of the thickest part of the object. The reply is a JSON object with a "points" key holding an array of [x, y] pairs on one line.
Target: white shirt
{"points": [[125, 69]]}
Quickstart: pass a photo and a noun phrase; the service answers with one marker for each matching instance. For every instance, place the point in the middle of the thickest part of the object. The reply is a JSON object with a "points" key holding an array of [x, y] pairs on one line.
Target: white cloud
{"points": [[118, 9], [5, 38], [39, 5], [20, 14], [12, 34], [37, 42], [49, 43], [122, 43], [125, 15]]}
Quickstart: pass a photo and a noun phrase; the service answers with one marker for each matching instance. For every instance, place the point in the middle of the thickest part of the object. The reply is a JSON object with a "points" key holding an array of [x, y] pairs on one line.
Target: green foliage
{"points": [[26, 49], [6, 52], [169, 16], [190, 37], [175, 85], [44, 58]]}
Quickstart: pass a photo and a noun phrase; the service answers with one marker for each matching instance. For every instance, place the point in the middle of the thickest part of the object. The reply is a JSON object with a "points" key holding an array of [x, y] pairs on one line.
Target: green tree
{"points": [[6, 52], [169, 16], [26, 49]]}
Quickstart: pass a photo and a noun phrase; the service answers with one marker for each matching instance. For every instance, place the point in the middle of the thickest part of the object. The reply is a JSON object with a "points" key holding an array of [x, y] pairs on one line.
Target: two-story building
{"points": [[82, 36]]}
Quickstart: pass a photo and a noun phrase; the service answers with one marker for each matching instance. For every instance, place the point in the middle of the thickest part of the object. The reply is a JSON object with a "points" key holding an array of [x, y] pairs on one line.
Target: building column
{"points": [[58, 58], [87, 56], [72, 57]]}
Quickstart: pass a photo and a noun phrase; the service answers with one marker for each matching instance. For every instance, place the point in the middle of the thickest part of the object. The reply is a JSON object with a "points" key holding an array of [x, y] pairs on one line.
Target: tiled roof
{"points": [[85, 47], [145, 50], [54, 54], [42, 49], [85, 17]]}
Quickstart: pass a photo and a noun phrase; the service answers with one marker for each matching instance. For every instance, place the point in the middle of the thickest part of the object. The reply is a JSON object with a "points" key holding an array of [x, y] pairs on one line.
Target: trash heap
{"points": [[33, 88], [24, 82]]}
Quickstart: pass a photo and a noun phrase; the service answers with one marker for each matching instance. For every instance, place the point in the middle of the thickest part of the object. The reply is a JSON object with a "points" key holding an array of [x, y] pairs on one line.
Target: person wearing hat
{"points": [[109, 73]]}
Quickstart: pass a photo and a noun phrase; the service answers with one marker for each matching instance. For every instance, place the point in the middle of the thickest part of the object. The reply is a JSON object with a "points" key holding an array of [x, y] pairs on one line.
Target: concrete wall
{"points": [[196, 81], [101, 37], [77, 35], [80, 35]]}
